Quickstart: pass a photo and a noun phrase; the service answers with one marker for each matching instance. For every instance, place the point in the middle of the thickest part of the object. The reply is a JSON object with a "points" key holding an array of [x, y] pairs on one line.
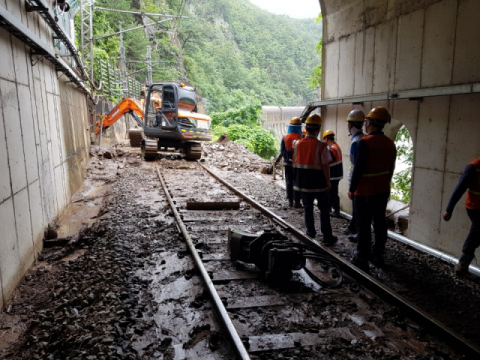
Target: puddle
{"points": [[373, 334], [93, 191], [7, 338], [357, 320], [41, 264], [402, 345], [85, 206], [11, 328], [75, 255]]}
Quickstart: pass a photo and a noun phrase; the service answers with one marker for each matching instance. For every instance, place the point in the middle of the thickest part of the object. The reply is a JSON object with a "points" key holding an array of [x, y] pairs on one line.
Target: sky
{"points": [[300, 9]]}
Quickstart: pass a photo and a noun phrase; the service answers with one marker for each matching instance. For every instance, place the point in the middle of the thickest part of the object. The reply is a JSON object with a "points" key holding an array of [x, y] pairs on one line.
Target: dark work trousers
{"points": [[322, 202], [473, 238], [291, 194], [333, 197], [352, 225], [366, 209]]}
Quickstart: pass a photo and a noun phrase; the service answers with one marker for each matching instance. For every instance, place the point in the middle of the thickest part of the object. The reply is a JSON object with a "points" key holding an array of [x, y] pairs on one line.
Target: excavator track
{"points": [[193, 151], [149, 149], [136, 136]]}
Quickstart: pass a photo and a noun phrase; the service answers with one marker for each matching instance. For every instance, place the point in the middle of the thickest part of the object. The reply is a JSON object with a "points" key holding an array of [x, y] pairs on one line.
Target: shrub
{"points": [[247, 144], [218, 131], [264, 143], [239, 131]]}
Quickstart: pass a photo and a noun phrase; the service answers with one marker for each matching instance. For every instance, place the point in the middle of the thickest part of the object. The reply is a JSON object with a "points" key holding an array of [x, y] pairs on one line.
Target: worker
{"points": [[355, 121], [294, 132], [374, 164], [470, 182], [312, 177], [336, 171]]}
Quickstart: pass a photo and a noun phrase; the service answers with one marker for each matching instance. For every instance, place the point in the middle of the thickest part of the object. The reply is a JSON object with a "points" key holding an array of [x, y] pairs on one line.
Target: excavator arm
{"points": [[127, 105]]}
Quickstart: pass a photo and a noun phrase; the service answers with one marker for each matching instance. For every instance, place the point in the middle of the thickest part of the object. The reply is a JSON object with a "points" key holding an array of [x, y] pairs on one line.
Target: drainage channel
{"points": [[308, 311]]}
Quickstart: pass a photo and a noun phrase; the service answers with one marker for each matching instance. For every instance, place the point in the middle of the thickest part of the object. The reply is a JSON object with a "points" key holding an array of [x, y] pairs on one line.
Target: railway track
{"points": [[297, 317]]}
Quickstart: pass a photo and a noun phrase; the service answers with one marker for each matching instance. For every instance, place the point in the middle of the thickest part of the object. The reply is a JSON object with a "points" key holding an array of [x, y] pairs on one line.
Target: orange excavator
{"points": [[127, 105], [170, 120]]}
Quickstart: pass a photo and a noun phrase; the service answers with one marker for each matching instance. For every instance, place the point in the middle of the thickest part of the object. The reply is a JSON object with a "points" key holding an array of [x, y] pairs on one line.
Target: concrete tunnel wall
{"points": [[378, 46], [116, 133], [44, 148], [276, 118]]}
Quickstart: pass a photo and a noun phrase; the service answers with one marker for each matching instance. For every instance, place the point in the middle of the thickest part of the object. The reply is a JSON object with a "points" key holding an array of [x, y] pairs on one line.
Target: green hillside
{"points": [[231, 50]]}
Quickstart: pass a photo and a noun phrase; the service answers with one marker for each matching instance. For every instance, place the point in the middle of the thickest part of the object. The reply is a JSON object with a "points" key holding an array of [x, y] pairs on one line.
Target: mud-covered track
{"points": [[239, 349], [409, 309], [271, 300]]}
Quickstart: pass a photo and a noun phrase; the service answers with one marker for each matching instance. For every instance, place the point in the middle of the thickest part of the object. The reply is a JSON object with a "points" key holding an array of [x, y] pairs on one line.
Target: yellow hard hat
{"points": [[328, 132], [356, 115], [314, 119], [379, 113], [295, 121]]}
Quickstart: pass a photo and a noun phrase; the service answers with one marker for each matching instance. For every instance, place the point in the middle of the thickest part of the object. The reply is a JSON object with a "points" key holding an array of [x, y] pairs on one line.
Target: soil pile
{"points": [[233, 157]]}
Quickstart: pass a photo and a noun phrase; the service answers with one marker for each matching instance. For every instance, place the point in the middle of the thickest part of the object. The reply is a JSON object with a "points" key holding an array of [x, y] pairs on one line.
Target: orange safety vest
{"points": [[377, 174], [289, 139], [337, 152], [336, 167], [473, 193], [307, 162]]}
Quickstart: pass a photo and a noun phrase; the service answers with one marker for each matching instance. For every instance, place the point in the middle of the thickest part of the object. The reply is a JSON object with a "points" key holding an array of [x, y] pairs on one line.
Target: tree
{"points": [[402, 180], [316, 76]]}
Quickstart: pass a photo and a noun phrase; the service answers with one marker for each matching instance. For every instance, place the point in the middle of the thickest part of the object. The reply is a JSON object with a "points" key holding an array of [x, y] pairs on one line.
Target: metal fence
{"points": [[111, 77]]}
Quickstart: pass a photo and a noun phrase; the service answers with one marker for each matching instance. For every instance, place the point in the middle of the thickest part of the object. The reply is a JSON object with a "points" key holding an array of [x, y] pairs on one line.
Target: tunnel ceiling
{"points": [[344, 17]]}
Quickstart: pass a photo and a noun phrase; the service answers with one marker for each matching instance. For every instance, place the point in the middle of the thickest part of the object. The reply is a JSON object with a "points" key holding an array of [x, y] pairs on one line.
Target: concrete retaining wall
{"points": [[382, 46], [44, 147], [277, 117], [118, 131]]}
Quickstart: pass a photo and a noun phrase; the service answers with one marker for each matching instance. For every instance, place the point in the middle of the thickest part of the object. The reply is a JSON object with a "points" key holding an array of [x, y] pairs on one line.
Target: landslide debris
{"points": [[234, 157]]}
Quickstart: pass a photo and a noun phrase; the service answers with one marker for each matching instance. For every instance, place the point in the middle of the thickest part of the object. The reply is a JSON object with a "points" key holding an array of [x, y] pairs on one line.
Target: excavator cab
{"points": [[161, 108], [172, 121], [168, 114]]}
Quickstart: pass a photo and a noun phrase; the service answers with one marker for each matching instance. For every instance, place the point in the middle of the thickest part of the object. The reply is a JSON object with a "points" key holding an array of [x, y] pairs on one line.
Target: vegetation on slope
{"points": [[238, 56]]}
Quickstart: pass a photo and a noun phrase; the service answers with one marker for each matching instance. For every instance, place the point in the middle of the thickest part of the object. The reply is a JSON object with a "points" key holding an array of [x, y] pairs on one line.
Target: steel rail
{"points": [[238, 346], [452, 338]]}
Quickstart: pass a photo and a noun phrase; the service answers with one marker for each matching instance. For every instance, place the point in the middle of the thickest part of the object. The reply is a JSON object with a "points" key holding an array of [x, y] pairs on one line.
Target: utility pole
{"points": [[86, 28], [91, 45], [122, 62], [149, 65], [87, 40]]}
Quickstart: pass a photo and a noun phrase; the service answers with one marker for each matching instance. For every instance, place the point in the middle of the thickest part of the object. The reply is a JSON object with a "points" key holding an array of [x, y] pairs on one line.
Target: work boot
{"points": [[463, 264], [335, 213], [461, 270], [290, 203], [362, 265], [377, 260], [352, 238], [347, 231], [330, 240], [298, 205]]}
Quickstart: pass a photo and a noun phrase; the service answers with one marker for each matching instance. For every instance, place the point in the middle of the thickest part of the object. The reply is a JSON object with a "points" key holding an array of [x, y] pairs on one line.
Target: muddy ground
{"points": [[120, 283], [423, 279], [121, 289]]}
